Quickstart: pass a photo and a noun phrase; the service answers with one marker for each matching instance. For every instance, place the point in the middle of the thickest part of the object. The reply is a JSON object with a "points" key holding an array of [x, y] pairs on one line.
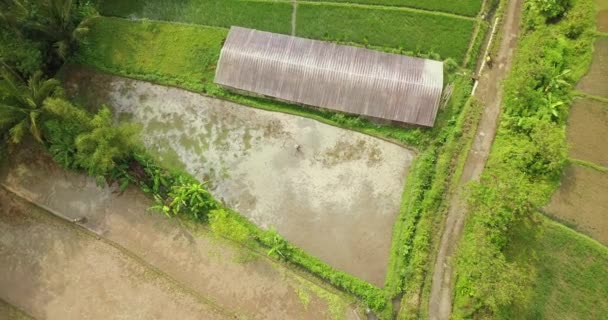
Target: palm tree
{"points": [[57, 22], [60, 24], [22, 103]]}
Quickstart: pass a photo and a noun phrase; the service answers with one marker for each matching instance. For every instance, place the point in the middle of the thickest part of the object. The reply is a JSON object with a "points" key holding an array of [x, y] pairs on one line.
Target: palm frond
{"points": [[45, 90], [8, 119], [34, 129], [10, 83], [18, 131]]}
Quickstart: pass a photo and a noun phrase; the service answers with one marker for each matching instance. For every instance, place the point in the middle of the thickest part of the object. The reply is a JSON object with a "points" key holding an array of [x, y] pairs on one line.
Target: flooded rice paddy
{"points": [[587, 131], [594, 83], [582, 202], [602, 15], [333, 192], [156, 263]]}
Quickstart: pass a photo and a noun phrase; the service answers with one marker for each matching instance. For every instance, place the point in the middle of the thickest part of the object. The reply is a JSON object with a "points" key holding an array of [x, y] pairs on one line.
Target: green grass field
{"points": [[274, 16], [384, 27], [181, 55], [397, 28], [570, 275], [462, 7]]}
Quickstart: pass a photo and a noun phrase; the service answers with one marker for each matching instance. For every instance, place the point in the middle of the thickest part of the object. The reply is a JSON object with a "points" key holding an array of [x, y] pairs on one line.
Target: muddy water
{"points": [[581, 201], [596, 80], [233, 279], [602, 15], [587, 131], [52, 271], [336, 196], [9, 312]]}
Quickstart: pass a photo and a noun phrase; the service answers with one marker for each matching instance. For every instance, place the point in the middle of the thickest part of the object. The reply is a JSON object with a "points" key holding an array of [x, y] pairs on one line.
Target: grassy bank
{"points": [[570, 274], [462, 7], [527, 158]]}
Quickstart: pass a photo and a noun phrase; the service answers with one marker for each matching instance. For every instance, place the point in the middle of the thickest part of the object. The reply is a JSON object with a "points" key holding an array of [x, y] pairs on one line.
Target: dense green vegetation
{"points": [[40, 35], [527, 157], [463, 7], [569, 274], [413, 31], [395, 28]]}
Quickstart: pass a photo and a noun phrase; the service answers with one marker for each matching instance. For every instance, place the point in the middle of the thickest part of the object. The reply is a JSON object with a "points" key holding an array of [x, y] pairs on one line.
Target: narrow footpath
{"points": [[489, 92]]}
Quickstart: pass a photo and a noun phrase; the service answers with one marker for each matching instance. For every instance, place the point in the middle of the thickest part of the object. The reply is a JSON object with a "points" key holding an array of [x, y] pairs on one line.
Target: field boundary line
{"points": [[475, 34], [588, 164], [295, 271], [387, 5], [581, 94], [17, 309], [380, 7], [78, 227], [294, 17], [601, 34]]}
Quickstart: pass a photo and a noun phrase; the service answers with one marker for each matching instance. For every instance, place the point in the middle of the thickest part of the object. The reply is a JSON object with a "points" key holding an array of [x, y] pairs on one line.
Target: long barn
{"points": [[337, 77]]}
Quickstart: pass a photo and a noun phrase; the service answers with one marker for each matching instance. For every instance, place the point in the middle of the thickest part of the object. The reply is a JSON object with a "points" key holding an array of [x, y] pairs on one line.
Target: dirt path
{"points": [[224, 275], [490, 93]]}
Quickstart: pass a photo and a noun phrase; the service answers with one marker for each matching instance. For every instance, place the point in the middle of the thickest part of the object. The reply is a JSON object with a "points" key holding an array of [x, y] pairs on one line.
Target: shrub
{"points": [[553, 8], [100, 149], [189, 197]]}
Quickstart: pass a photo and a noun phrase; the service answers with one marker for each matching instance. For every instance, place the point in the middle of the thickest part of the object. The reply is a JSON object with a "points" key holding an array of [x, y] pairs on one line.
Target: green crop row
{"points": [[468, 8], [274, 16], [394, 28]]}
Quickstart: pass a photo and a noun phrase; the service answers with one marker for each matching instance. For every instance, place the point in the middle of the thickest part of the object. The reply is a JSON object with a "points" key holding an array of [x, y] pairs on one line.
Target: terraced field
{"points": [[390, 27]]}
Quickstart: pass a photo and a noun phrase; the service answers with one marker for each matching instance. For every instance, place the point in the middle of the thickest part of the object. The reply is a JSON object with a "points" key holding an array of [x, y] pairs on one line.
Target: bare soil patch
{"points": [[587, 131], [333, 192], [596, 80], [582, 202]]}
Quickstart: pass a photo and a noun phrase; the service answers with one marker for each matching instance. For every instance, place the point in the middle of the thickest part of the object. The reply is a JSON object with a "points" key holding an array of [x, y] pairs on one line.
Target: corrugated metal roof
{"points": [[323, 74]]}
